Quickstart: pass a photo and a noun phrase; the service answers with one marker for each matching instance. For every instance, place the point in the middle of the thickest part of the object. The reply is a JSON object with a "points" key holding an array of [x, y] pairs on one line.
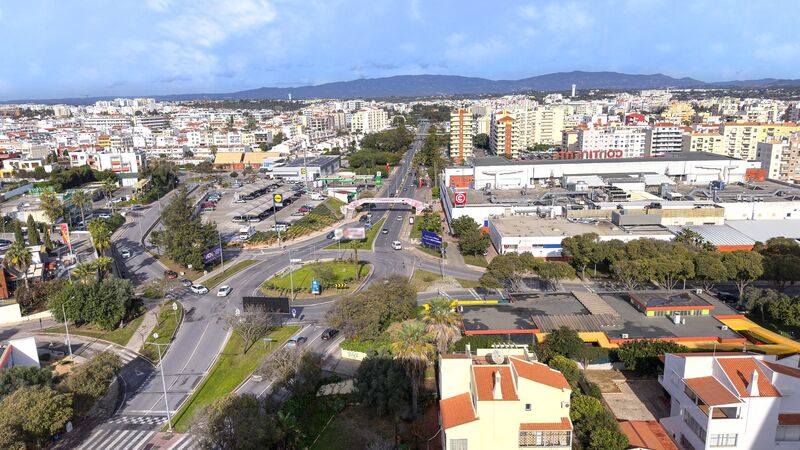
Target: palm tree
{"points": [[443, 322], [19, 256], [412, 346], [86, 272], [81, 199], [101, 237], [103, 266], [109, 185], [289, 430]]}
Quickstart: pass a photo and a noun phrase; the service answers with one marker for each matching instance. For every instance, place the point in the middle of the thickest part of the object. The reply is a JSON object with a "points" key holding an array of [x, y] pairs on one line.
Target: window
{"points": [[545, 438], [527, 406], [457, 444], [723, 440], [694, 426], [788, 433]]}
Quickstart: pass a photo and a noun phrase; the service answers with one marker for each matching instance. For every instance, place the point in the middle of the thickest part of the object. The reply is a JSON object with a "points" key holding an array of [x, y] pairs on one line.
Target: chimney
{"points": [[497, 392], [753, 388]]}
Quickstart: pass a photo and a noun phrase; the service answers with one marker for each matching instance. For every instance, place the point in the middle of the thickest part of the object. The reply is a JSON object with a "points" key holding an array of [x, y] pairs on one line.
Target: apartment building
{"points": [[369, 120], [629, 140], [505, 136], [501, 399], [663, 138], [106, 122], [154, 122], [742, 138], [461, 132], [735, 401], [703, 141], [781, 158]]}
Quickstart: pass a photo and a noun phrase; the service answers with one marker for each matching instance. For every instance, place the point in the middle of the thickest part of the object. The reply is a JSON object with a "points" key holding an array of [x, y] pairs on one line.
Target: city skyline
{"points": [[175, 47]]}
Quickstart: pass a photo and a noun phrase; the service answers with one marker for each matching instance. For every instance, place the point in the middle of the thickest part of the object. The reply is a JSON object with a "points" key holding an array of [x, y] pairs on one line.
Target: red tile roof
{"points": [[456, 410], [740, 371], [782, 369], [789, 419], [647, 434], [711, 391], [484, 382], [539, 373], [564, 425]]}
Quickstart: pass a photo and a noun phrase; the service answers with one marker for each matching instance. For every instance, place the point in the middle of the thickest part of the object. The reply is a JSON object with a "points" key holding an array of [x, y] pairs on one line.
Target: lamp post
{"points": [[221, 257], [66, 328], [163, 380]]}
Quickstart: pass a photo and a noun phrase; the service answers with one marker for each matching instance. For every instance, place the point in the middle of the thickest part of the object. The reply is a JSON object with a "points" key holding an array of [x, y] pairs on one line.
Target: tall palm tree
{"points": [[19, 256], [86, 272], [109, 185], [443, 322], [411, 345], [289, 430], [101, 237], [81, 199], [103, 266]]}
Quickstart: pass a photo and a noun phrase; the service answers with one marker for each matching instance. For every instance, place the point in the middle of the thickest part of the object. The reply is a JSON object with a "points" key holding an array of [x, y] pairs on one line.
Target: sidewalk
{"points": [[143, 332]]}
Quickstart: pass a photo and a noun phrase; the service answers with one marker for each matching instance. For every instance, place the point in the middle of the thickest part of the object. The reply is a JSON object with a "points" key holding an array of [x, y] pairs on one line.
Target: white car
{"points": [[397, 245], [104, 215], [198, 289], [223, 291], [125, 254]]}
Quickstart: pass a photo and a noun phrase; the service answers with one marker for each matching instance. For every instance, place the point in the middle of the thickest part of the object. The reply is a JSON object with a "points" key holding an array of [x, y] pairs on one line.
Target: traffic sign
{"points": [[294, 312], [431, 236], [461, 198], [315, 287], [277, 198]]}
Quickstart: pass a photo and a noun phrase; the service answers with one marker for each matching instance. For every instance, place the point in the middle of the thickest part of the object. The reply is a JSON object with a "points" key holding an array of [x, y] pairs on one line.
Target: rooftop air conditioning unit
{"points": [[724, 328], [698, 291], [624, 335]]}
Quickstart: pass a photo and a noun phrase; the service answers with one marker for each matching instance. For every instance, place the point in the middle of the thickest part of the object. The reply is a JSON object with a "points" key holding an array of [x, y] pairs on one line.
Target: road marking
{"points": [[474, 294]]}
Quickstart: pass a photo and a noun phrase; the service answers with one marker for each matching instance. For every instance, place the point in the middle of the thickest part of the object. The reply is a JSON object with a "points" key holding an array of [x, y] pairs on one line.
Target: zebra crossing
{"points": [[122, 439], [138, 420]]}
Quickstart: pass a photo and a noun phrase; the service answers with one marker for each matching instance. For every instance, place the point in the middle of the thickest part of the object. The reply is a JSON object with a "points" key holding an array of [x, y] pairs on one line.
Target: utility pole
{"points": [[66, 328], [163, 380], [221, 257]]}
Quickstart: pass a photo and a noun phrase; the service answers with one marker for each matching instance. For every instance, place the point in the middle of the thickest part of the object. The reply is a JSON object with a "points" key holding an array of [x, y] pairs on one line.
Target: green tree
{"points": [[642, 355], [411, 345], [18, 235], [563, 341], [608, 439], [33, 232], [185, 237], [34, 415], [251, 324], [743, 267], [105, 304], [19, 377], [235, 422], [101, 236], [20, 258], [81, 200], [93, 378], [47, 241], [632, 273], [756, 299], [382, 385], [463, 224], [568, 368], [325, 274], [473, 243], [668, 270], [33, 298], [582, 249], [367, 314], [554, 271], [443, 322], [295, 370], [430, 221], [85, 272], [108, 186], [481, 140], [709, 269], [52, 206]]}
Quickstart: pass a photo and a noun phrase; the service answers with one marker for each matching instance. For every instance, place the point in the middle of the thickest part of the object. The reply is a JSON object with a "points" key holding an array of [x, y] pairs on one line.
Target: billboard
{"points": [[212, 254], [431, 238], [65, 235], [315, 289], [350, 233]]}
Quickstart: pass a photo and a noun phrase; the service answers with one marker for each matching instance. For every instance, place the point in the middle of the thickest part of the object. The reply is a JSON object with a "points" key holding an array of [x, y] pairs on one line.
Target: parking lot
{"points": [[235, 203]]}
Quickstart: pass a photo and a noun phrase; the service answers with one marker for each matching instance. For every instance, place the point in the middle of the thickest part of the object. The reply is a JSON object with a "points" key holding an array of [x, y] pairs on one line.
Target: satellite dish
{"points": [[497, 357]]}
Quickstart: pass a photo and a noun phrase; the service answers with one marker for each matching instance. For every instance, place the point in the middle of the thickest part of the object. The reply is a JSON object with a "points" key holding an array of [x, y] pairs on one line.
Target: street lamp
{"points": [[66, 327], [163, 380]]}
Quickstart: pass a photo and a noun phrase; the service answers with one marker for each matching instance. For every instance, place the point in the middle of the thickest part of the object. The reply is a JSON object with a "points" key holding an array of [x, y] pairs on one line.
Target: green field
{"points": [[424, 278], [230, 370], [342, 271], [168, 321], [476, 260], [468, 284], [229, 271], [119, 336], [365, 244]]}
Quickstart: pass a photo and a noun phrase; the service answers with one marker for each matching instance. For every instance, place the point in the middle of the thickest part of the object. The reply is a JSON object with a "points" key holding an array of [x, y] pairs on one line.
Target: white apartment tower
{"points": [[663, 138], [461, 129]]}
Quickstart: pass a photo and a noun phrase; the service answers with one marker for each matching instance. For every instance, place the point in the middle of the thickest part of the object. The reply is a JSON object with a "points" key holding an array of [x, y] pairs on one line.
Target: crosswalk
{"points": [[119, 439]]}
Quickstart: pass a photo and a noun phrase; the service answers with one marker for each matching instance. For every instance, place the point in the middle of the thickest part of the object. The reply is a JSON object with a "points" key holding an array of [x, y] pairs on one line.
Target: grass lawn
{"points": [[177, 268], [168, 321], [365, 244], [468, 284], [476, 260], [344, 271], [229, 371], [423, 278], [431, 251], [355, 427], [119, 336], [229, 271]]}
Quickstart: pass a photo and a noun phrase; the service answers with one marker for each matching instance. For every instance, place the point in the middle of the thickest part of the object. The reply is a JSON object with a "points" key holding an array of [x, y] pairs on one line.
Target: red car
{"points": [[170, 274], [304, 210]]}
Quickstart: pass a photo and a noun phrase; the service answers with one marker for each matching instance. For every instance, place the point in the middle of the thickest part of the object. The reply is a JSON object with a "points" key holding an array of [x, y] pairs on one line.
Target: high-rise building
{"points": [[369, 120], [781, 158], [742, 138], [703, 141], [629, 140], [461, 130], [505, 136], [662, 138]]}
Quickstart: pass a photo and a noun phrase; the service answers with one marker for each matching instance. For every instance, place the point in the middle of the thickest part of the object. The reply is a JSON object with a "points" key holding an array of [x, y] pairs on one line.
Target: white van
{"points": [[397, 245], [316, 196]]}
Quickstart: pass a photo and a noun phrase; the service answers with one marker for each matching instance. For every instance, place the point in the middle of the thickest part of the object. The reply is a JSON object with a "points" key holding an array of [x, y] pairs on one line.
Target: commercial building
{"points": [[308, 169], [502, 399], [732, 400], [664, 138], [461, 133], [630, 141], [780, 159]]}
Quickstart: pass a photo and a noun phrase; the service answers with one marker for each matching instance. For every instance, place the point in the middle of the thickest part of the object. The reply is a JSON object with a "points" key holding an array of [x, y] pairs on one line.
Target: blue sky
{"points": [[61, 48]]}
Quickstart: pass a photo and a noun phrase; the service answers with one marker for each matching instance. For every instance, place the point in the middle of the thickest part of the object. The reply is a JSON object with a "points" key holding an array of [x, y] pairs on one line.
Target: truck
{"points": [[246, 232]]}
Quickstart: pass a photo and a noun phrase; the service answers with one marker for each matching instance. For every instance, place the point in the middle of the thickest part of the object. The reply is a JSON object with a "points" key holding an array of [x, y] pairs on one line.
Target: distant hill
{"points": [[433, 85]]}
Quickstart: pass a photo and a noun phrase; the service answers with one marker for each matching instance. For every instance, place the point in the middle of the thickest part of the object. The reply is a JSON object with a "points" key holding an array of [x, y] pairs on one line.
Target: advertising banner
{"points": [[65, 235]]}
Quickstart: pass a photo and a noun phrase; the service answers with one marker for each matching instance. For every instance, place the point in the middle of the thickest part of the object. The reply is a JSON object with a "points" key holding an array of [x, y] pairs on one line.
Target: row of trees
{"points": [[184, 237], [509, 271], [62, 179], [471, 240], [104, 304], [381, 148]]}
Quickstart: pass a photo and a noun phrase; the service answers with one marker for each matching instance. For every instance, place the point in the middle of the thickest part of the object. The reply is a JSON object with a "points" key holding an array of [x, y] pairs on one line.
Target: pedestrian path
{"points": [[133, 438], [148, 324]]}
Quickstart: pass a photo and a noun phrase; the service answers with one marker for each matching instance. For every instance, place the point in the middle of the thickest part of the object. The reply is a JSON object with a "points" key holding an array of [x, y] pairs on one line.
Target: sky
{"points": [[76, 48]]}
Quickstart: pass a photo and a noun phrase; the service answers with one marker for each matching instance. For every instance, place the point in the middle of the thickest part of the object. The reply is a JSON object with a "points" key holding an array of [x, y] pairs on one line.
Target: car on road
{"points": [[399, 217], [405, 189], [4, 243], [330, 235], [185, 282], [125, 254], [104, 215], [328, 334], [240, 200], [385, 231], [223, 291], [304, 210], [296, 341], [397, 245], [170, 274], [198, 289]]}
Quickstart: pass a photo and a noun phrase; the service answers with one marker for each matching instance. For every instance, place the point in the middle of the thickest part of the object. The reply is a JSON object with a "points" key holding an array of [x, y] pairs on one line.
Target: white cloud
{"points": [[207, 22], [414, 10], [459, 49], [158, 5], [559, 16], [530, 12]]}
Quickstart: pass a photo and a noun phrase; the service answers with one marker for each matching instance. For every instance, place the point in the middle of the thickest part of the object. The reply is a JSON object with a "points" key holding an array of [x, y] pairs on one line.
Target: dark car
{"points": [[330, 235], [330, 333], [727, 297], [185, 282], [170, 274]]}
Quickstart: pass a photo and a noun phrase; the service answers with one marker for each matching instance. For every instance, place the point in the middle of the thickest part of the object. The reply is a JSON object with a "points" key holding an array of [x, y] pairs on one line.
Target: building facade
{"points": [[780, 158], [664, 138], [461, 129]]}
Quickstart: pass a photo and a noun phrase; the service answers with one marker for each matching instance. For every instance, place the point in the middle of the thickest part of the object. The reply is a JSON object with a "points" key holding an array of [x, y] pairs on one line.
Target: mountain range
{"points": [[436, 85]]}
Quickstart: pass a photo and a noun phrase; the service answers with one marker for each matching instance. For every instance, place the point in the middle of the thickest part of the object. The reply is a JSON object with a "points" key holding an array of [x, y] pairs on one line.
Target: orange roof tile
{"points": [[539, 373], [484, 382], [780, 368], [740, 371], [789, 419], [456, 410], [647, 434], [564, 425], [711, 391]]}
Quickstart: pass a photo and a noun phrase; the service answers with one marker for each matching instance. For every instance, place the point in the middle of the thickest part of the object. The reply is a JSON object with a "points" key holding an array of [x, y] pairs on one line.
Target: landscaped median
{"points": [[231, 369], [119, 336], [330, 274], [168, 321], [361, 244], [229, 271]]}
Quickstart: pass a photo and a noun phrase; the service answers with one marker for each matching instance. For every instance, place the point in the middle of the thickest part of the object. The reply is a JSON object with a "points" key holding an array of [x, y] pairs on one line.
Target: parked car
{"points": [[296, 341], [104, 215], [125, 254], [4, 243], [330, 235], [304, 210], [399, 217], [240, 200], [298, 214], [330, 333], [223, 291], [170, 274], [185, 282], [198, 289]]}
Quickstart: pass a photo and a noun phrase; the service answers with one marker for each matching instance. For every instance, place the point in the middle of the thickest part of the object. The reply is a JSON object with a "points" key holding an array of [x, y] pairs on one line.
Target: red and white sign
{"points": [[65, 235], [461, 198]]}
